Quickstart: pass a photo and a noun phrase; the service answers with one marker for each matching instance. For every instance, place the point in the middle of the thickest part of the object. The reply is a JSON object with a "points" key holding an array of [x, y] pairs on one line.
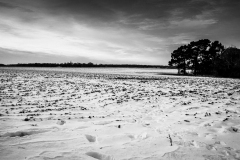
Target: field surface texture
{"points": [[117, 114]]}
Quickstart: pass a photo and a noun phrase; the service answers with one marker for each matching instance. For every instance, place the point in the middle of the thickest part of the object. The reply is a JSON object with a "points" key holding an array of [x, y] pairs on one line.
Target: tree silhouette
{"points": [[179, 58], [213, 55], [199, 56], [198, 53], [228, 63]]}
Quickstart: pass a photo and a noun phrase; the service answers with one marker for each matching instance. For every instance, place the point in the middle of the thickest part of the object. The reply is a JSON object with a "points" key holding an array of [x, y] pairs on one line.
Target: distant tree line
{"points": [[204, 57], [70, 64]]}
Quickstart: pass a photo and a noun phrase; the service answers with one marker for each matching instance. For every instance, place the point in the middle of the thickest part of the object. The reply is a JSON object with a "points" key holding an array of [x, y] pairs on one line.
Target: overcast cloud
{"points": [[111, 31]]}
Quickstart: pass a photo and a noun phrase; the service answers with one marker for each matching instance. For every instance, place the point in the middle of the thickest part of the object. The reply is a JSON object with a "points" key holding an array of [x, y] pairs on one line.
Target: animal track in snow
{"points": [[91, 138], [20, 133], [99, 156]]}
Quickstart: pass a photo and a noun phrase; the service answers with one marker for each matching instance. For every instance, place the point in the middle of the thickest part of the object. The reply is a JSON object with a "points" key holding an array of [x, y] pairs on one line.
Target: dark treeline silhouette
{"points": [[70, 64], [228, 64], [204, 57]]}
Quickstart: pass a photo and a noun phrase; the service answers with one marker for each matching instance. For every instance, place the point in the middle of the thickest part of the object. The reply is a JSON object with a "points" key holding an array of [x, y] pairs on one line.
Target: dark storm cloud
{"points": [[115, 10], [112, 11], [6, 5], [11, 6], [135, 13], [138, 14]]}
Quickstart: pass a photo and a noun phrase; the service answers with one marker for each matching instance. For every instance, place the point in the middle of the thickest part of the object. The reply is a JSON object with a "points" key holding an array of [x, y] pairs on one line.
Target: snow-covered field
{"points": [[120, 114], [103, 70]]}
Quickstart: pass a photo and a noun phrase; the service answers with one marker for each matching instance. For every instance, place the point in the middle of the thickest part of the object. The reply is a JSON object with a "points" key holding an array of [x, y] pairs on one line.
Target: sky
{"points": [[111, 31]]}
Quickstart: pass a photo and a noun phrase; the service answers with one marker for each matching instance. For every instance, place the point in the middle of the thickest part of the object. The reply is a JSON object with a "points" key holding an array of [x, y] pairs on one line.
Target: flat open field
{"points": [[122, 114]]}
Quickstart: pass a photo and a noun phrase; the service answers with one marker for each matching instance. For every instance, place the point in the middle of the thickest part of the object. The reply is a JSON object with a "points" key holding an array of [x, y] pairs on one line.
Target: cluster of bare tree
{"points": [[204, 57]]}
